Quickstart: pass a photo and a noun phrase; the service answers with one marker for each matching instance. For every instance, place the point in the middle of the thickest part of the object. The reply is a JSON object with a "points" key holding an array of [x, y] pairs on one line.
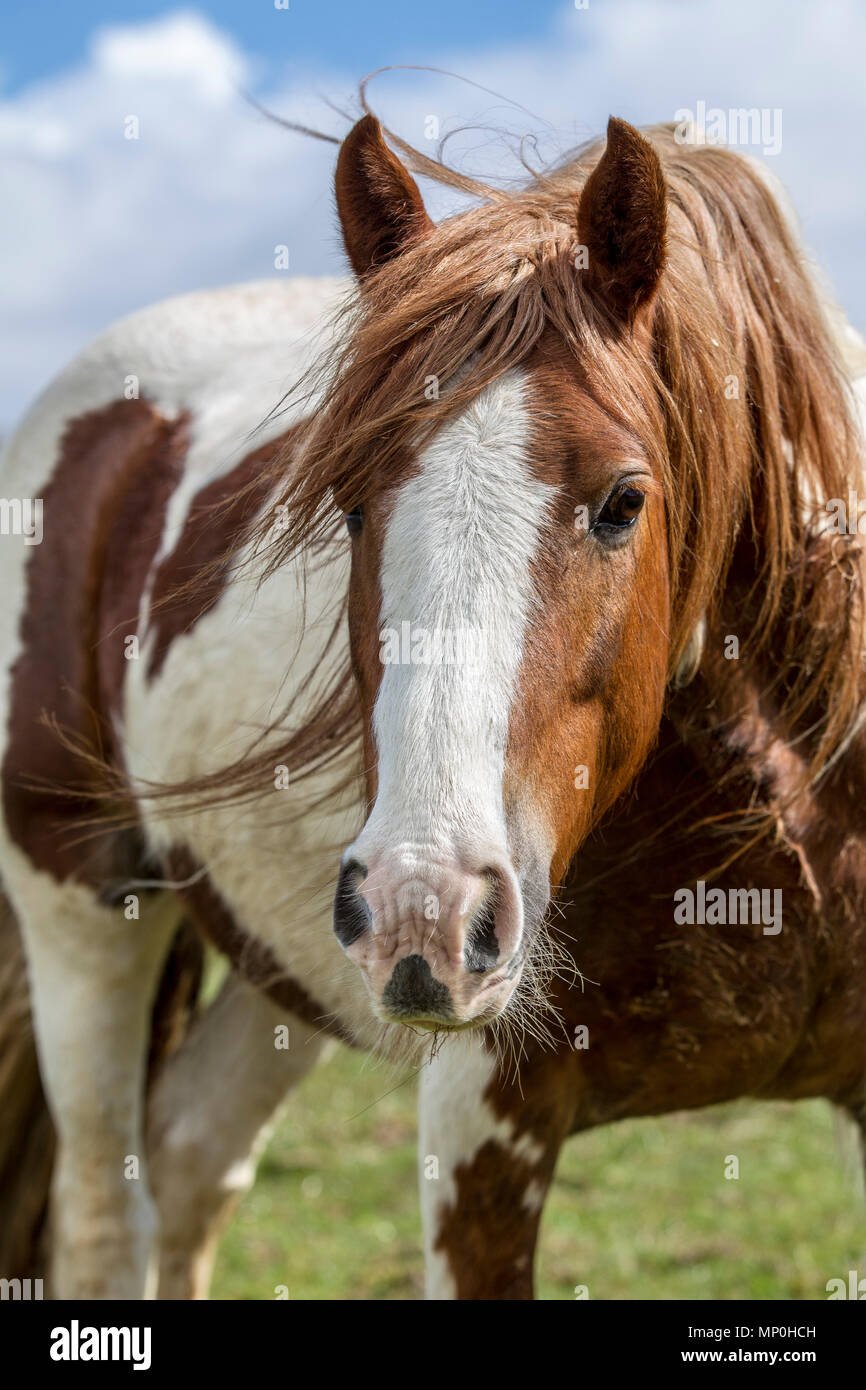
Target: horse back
{"points": [[131, 459]]}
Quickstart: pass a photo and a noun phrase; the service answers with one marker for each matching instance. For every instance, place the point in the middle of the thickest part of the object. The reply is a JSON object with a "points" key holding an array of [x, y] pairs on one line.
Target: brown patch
{"points": [[27, 1140], [126, 559], [177, 996], [683, 1016], [190, 580], [252, 959], [104, 510], [487, 1233]]}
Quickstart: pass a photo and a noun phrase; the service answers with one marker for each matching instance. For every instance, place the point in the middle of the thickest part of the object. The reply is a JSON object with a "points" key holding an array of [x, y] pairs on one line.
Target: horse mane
{"points": [[744, 407]]}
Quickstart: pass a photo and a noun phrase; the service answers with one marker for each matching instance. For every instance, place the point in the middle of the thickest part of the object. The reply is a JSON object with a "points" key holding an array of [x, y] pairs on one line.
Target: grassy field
{"points": [[638, 1210]]}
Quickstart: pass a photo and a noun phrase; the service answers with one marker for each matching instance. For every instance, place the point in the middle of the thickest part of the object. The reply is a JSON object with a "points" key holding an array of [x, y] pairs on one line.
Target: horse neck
{"points": [[733, 721]]}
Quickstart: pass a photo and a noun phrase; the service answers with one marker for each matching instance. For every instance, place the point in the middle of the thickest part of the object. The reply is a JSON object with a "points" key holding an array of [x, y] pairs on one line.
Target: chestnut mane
{"points": [[744, 407]]}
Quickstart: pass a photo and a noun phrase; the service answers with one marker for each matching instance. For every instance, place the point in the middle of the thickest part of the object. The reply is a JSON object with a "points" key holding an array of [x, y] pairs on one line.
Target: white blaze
{"points": [[456, 566]]}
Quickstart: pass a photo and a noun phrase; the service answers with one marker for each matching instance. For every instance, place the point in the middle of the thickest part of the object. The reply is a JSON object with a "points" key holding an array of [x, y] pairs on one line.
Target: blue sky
{"points": [[39, 39], [96, 225]]}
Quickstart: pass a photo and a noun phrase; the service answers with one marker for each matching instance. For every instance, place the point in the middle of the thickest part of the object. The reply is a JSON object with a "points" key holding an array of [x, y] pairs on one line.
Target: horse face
{"points": [[508, 618]]}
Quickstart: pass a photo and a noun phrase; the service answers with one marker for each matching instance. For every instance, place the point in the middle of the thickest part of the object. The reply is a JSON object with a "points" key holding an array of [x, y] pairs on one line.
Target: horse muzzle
{"points": [[438, 940]]}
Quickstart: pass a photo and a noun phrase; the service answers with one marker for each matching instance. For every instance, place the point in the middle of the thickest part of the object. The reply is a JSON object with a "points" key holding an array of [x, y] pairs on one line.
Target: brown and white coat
{"points": [[159, 648]]}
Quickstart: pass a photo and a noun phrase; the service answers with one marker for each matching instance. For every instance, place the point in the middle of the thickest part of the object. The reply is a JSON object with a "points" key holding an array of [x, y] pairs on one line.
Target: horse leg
{"points": [[209, 1119], [93, 975], [488, 1149]]}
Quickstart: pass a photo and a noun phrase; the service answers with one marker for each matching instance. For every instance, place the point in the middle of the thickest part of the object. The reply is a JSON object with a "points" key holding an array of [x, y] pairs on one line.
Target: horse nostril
{"points": [[481, 951], [412, 990], [351, 913]]}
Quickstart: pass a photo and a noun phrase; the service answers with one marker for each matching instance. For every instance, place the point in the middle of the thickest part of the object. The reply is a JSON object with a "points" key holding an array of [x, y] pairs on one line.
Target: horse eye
{"points": [[354, 521], [622, 508]]}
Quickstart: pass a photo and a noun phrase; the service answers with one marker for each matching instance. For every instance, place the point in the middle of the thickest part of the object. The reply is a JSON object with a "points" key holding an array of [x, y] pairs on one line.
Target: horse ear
{"points": [[622, 220], [378, 201]]}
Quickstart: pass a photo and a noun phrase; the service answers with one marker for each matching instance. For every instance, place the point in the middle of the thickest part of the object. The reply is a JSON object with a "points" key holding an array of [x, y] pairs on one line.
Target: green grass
{"points": [[638, 1210]]}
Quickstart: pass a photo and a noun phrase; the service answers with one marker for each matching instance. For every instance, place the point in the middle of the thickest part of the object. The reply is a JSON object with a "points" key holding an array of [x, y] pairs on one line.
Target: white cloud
{"points": [[180, 47], [96, 224]]}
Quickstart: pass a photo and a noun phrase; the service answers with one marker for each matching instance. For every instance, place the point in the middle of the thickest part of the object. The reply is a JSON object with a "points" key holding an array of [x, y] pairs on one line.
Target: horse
{"points": [[492, 697]]}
